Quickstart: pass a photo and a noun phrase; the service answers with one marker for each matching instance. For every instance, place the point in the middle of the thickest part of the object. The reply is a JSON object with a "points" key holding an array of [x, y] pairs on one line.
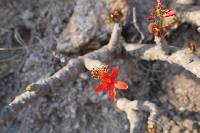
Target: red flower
{"points": [[156, 17], [110, 82], [159, 12]]}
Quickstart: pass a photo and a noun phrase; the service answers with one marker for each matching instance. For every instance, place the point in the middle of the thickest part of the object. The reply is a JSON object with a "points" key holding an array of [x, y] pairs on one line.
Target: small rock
{"points": [[27, 14], [177, 118], [195, 131], [104, 96], [105, 110], [185, 2], [182, 109], [76, 126], [187, 131], [163, 99], [198, 29], [175, 129], [188, 124], [56, 29], [84, 76], [88, 24], [126, 127]]}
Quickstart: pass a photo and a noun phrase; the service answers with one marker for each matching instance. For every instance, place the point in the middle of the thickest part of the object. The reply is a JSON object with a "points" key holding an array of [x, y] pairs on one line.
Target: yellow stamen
{"points": [[95, 72]]}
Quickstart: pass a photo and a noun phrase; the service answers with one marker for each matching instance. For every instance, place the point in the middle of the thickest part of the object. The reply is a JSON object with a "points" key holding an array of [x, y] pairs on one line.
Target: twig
{"points": [[136, 26], [19, 39], [10, 49]]}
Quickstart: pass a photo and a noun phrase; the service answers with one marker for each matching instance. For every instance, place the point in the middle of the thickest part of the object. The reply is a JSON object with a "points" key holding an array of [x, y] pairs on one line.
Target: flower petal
{"points": [[158, 2], [104, 74], [114, 73], [107, 68], [151, 16], [121, 85], [111, 92], [168, 13], [101, 87]]}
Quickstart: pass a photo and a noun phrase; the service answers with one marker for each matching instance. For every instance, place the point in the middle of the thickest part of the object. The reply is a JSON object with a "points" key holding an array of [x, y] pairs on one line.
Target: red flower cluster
{"points": [[109, 82], [156, 18]]}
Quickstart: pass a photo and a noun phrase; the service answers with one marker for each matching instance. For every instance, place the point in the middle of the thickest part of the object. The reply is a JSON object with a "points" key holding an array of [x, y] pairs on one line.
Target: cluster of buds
{"points": [[151, 127], [192, 46], [96, 72], [156, 18], [115, 16]]}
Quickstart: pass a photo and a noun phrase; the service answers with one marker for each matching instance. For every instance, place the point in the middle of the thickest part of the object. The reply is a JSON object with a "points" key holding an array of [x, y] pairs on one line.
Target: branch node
{"points": [[131, 107], [161, 43]]}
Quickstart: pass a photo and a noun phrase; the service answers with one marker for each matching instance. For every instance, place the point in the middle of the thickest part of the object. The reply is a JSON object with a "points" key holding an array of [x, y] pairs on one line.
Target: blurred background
{"points": [[38, 37]]}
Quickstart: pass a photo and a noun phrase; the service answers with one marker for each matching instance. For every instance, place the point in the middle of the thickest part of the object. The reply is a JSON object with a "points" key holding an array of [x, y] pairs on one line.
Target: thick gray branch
{"points": [[64, 76], [183, 57], [189, 14]]}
